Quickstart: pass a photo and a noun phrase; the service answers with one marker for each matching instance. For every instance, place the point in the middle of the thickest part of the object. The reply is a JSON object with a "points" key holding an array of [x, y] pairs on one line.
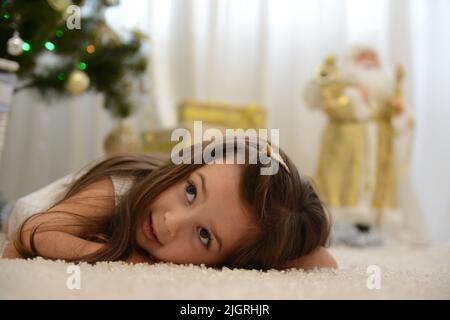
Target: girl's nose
{"points": [[175, 222]]}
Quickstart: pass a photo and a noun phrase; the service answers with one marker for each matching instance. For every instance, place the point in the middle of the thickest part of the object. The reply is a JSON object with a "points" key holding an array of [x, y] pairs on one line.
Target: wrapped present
{"points": [[216, 115], [222, 115]]}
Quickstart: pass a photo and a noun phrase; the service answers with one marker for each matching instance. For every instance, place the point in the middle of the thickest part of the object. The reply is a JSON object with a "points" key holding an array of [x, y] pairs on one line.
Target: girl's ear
{"points": [[319, 258]]}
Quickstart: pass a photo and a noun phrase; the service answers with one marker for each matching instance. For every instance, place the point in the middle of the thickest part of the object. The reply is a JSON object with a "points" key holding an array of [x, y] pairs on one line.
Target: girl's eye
{"points": [[191, 192], [204, 236]]}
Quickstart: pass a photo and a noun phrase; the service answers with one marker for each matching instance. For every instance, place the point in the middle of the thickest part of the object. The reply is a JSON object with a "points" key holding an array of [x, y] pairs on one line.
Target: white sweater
{"points": [[42, 199]]}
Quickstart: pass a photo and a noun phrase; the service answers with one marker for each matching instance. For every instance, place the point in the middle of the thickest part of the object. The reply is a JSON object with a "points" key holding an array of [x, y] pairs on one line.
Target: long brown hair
{"points": [[286, 209]]}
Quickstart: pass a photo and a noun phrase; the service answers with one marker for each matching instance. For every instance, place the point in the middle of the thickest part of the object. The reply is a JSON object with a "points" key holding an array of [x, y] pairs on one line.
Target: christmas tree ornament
{"points": [[15, 45], [59, 5], [77, 82], [123, 139]]}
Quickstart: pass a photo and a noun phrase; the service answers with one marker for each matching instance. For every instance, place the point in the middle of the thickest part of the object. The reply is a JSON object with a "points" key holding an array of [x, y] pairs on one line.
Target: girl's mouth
{"points": [[148, 229]]}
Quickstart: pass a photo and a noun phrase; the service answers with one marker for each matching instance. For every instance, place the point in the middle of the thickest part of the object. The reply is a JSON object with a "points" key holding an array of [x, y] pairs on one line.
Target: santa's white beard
{"points": [[376, 80]]}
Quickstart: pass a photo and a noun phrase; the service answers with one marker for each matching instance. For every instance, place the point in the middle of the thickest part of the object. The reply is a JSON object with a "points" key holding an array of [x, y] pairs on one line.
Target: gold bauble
{"points": [[77, 82], [59, 5], [123, 139]]}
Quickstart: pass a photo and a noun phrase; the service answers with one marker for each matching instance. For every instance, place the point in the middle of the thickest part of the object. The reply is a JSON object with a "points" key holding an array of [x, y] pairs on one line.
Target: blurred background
{"points": [[135, 70]]}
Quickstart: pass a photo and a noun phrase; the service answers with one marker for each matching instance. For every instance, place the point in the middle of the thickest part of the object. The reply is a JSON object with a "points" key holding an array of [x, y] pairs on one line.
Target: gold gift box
{"points": [[217, 115]]}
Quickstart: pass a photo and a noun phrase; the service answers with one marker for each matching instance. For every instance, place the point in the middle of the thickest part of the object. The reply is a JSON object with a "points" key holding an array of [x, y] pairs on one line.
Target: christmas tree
{"points": [[66, 47]]}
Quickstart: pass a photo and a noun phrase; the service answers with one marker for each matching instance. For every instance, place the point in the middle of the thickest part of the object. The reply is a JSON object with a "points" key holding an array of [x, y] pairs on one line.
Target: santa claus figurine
{"points": [[357, 170]]}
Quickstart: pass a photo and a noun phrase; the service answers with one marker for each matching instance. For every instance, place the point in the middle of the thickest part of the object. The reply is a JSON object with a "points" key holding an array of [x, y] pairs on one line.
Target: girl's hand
{"points": [[319, 258], [55, 245], [137, 257]]}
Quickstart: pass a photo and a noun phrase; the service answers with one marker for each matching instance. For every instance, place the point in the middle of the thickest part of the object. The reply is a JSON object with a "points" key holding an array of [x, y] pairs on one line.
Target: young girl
{"points": [[142, 209]]}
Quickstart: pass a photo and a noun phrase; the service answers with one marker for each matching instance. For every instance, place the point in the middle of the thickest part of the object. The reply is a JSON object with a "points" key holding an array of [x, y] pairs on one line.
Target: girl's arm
{"points": [[56, 245], [319, 258], [54, 238]]}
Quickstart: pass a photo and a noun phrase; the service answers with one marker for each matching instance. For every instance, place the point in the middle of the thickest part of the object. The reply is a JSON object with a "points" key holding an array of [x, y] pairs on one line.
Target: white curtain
{"points": [[265, 51], [46, 140]]}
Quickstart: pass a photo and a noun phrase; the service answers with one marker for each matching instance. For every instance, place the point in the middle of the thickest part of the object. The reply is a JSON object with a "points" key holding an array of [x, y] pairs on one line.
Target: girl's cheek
{"points": [[181, 251]]}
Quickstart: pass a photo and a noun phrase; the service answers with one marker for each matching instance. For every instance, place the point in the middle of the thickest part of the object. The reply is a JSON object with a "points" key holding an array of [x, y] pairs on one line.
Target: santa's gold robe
{"points": [[343, 169]]}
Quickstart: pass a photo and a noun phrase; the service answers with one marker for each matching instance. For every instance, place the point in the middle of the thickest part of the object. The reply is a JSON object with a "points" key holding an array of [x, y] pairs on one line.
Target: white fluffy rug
{"points": [[406, 273]]}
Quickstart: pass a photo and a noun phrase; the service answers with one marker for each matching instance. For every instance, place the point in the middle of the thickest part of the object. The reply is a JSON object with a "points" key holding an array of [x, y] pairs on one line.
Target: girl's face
{"points": [[200, 220]]}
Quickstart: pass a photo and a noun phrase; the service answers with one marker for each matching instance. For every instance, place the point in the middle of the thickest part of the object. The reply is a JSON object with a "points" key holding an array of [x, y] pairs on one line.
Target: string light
{"points": [[49, 46], [90, 49], [26, 46], [82, 65], [61, 76], [59, 33]]}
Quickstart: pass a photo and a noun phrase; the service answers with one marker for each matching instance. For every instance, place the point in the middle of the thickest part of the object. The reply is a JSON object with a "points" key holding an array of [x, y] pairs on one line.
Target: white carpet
{"points": [[406, 273]]}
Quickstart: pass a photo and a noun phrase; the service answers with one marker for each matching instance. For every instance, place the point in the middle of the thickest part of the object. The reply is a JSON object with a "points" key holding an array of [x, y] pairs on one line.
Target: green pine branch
{"points": [[110, 67]]}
